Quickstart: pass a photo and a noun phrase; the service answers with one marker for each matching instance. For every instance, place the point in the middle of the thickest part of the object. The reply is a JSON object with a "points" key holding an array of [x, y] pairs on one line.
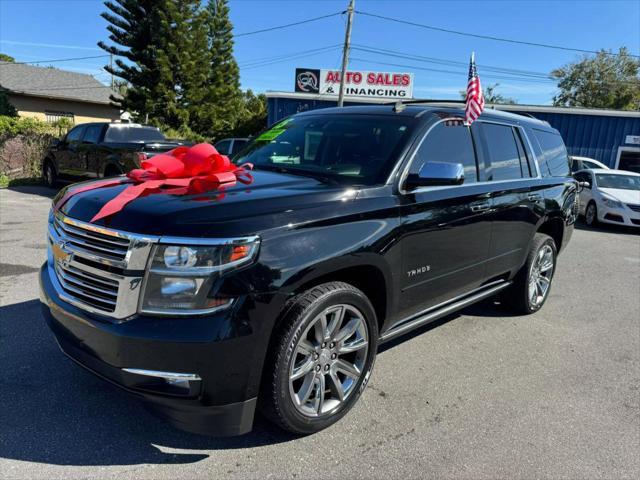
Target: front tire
{"points": [[532, 284], [322, 358], [591, 214], [49, 174]]}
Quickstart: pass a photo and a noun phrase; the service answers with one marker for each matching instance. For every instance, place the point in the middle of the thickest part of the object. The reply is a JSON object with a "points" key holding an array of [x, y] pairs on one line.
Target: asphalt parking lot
{"points": [[481, 394]]}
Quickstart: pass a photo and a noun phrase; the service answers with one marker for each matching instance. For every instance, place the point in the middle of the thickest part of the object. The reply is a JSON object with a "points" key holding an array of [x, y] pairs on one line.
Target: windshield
{"points": [[625, 182], [121, 134], [350, 149]]}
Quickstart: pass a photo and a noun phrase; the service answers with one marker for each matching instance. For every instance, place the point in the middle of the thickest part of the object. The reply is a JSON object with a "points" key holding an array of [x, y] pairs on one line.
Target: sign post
{"points": [[345, 52]]}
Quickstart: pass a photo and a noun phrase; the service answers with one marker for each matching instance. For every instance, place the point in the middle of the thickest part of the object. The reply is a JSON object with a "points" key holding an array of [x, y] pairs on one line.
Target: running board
{"points": [[440, 312]]}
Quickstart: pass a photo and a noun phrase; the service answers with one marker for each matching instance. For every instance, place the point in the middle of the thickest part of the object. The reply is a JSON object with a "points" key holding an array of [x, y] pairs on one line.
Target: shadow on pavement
{"points": [[54, 412], [491, 307], [39, 190]]}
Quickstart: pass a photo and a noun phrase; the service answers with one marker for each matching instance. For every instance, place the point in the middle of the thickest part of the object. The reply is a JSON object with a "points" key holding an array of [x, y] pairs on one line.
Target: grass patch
{"points": [[5, 181]]}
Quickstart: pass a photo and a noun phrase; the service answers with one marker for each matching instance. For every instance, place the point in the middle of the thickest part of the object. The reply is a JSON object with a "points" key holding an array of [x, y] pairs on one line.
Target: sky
{"points": [[33, 30]]}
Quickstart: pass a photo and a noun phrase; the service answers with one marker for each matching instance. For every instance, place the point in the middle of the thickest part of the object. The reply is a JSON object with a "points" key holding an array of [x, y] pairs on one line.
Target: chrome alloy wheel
{"points": [[540, 276], [328, 360]]}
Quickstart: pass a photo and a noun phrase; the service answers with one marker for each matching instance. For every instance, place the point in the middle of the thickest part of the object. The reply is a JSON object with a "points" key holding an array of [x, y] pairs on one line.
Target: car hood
{"points": [[271, 201], [625, 196]]}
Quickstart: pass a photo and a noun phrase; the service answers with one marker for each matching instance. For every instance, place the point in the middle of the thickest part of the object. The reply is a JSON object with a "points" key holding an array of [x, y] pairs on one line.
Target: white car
{"points": [[582, 163], [613, 196]]}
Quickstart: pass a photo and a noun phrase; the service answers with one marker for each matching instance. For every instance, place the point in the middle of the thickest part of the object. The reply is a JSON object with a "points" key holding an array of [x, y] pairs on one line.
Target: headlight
{"points": [[611, 202], [180, 277]]}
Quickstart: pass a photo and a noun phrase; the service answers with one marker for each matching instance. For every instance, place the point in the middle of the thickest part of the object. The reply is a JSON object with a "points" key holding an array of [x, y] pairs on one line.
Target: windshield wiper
{"points": [[298, 171]]}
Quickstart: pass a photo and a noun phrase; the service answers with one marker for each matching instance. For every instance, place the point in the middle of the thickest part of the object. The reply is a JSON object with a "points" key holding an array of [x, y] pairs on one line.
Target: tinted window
{"points": [[126, 133], [92, 134], [625, 182], [350, 149], [576, 165], [554, 153], [504, 155], [448, 144], [75, 134], [238, 145], [223, 147]]}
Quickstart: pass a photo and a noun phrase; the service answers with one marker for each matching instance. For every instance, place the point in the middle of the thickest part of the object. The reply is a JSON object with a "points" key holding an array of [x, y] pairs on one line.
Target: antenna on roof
{"points": [[399, 106]]}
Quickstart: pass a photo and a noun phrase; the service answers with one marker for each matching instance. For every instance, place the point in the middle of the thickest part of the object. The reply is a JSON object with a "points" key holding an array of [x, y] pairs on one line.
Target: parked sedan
{"points": [[582, 163], [613, 196]]}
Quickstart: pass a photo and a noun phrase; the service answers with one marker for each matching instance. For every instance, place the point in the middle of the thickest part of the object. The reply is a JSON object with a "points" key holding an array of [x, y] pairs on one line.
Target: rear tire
{"points": [[532, 284], [321, 358], [591, 214], [49, 174]]}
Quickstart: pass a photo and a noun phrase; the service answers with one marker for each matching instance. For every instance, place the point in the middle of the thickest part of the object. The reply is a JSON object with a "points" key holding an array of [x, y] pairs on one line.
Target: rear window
{"points": [[554, 154], [124, 133], [350, 149]]}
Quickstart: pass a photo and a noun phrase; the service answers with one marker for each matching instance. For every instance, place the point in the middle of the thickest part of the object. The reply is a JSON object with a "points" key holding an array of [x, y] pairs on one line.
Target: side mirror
{"points": [[433, 174], [583, 185]]}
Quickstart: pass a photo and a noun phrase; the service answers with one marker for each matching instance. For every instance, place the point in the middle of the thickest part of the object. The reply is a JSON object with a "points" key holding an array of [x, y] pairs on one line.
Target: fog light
{"points": [[178, 286]]}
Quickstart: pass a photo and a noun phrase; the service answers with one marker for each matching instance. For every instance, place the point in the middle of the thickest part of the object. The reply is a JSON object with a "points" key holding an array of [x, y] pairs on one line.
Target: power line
{"points": [[53, 61], [451, 63], [287, 25], [256, 62], [289, 57], [485, 37]]}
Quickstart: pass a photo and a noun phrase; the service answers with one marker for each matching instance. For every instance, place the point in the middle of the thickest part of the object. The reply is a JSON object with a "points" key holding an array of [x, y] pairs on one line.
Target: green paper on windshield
{"points": [[274, 132]]}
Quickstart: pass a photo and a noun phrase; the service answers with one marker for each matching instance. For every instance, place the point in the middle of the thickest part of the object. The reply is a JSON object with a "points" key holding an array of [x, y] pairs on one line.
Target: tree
{"points": [[223, 98], [492, 96], [6, 108], [253, 116], [155, 39], [603, 81], [7, 58]]}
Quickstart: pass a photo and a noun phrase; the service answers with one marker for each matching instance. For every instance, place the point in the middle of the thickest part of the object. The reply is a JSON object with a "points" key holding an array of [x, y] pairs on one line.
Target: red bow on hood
{"points": [[183, 170]]}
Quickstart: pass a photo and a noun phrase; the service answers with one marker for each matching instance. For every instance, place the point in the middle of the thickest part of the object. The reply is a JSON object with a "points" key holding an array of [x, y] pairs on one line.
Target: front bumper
{"points": [[223, 350], [618, 216]]}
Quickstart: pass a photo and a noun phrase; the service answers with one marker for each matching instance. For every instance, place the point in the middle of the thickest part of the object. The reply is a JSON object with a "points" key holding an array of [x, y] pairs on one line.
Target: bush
{"points": [[23, 143]]}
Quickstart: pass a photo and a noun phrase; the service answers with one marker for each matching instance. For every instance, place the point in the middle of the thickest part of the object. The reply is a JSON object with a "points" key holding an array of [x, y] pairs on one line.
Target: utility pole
{"points": [[345, 52], [113, 83]]}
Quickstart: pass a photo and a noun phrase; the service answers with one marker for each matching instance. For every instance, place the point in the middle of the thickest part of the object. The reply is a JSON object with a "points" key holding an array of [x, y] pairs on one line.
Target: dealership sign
{"points": [[357, 83]]}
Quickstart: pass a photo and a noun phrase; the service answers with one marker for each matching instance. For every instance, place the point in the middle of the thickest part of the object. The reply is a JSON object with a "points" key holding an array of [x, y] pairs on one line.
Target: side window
{"points": [[92, 134], [223, 147], [75, 134], [504, 153], [576, 165], [237, 146], [448, 144], [554, 153]]}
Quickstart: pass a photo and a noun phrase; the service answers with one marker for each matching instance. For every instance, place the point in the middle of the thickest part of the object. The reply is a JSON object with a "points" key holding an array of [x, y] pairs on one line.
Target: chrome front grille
{"points": [[99, 292], [635, 208], [93, 242], [97, 269]]}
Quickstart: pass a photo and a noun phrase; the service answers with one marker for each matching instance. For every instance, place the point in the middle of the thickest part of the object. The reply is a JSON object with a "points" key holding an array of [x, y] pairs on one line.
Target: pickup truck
{"points": [[362, 224], [95, 150]]}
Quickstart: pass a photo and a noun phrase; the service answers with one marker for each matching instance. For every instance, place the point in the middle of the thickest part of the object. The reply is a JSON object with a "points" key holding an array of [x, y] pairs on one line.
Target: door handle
{"points": [[534, 197], [480, 207]]}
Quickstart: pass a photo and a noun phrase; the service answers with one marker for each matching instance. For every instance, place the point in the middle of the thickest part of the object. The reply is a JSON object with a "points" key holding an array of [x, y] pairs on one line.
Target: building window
{"points": [[53, 116]]}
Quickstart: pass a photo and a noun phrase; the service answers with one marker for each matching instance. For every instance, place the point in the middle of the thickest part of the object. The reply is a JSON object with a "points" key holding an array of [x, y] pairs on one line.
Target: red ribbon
{"points": [[183, 170]]}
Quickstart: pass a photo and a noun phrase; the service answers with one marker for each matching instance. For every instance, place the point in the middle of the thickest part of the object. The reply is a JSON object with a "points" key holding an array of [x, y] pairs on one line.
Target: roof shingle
{"points": [[52, 82]]}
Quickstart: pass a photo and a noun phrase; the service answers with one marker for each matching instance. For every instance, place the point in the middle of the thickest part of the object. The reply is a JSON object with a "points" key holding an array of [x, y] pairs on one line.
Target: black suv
{"points": [[362, 224]]}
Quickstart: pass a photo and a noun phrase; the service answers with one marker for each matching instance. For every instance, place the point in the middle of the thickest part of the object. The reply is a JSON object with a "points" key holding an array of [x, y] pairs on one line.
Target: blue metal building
{"points": [[605, 135]]}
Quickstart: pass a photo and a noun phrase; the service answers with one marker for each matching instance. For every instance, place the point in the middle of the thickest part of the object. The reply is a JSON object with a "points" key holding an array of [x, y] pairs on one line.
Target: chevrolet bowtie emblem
{"points": [[60, 255]]}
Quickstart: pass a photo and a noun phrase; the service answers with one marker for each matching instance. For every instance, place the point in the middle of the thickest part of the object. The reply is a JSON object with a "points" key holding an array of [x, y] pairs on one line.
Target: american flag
{"points": [[475, 99]]}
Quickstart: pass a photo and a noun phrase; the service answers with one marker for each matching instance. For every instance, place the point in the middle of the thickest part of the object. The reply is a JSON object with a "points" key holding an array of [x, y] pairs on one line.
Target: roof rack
{"points": [[399, 105]]}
